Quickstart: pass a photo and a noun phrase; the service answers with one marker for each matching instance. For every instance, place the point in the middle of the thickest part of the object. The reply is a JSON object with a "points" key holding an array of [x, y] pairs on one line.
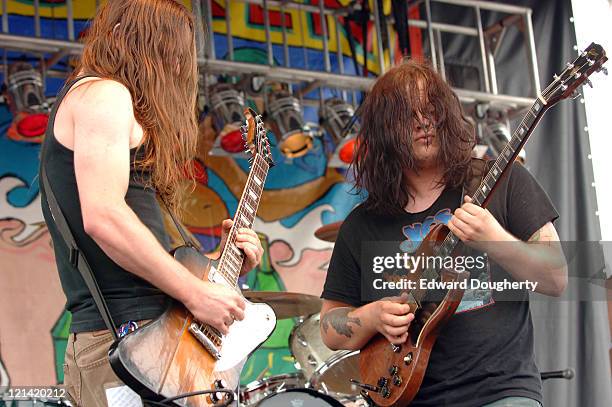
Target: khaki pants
{"points": [[87, 369]]}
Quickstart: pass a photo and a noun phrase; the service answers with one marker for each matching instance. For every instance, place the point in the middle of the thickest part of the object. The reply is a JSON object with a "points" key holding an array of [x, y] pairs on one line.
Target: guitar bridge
{"points": [[209, 337]]}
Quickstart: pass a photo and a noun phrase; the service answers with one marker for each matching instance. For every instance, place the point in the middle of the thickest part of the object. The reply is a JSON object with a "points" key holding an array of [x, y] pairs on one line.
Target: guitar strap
{"points": [[77, 259]]}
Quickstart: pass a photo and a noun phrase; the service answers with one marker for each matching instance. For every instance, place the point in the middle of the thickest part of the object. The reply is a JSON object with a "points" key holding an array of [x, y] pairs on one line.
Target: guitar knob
{"points": [[393, 370], [220, 384], [408, 359], [216, 397], [385, 392], [382, 382], [395, 348], [397, 380]]}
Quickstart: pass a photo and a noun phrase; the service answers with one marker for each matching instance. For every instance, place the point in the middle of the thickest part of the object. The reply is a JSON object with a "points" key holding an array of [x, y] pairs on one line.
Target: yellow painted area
{"points": [[82, 9]]}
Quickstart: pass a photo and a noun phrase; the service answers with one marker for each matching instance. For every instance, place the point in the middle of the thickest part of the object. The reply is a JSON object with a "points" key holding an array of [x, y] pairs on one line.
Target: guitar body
{"points": [[164, 359], [378, 357]]}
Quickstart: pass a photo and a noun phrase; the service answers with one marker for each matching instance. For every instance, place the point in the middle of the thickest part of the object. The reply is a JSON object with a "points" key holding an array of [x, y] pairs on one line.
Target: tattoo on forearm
{"points": [[339, 320]]}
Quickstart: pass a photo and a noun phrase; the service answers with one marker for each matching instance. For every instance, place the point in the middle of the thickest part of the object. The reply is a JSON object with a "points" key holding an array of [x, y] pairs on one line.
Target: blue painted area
{"points": [[339, 197], [288, 172], [52, 28], [216, 184], [20, 160], [313, 60], [209, 243]]}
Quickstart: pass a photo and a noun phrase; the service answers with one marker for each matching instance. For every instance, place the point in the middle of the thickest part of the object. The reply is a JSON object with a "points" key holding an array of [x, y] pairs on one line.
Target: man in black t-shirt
{"points": [[413, 158]]}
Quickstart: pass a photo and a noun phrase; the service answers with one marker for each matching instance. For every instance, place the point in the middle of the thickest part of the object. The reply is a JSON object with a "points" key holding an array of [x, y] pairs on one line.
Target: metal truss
{"points": [[489, 39]]}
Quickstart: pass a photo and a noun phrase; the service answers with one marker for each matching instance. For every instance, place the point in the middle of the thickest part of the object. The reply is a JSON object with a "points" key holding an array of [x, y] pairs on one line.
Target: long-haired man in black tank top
{"points": [[117, 138]]}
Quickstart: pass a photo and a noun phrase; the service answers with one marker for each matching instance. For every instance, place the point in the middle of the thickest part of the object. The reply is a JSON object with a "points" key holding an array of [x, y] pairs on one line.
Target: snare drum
{"points": [[299, 398], [325, 370], [258, 390]]}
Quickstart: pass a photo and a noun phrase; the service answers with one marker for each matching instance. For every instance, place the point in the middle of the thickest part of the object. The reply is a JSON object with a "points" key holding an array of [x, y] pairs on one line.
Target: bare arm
{"points": [[103, 122], [347, 327], [540, 259]]}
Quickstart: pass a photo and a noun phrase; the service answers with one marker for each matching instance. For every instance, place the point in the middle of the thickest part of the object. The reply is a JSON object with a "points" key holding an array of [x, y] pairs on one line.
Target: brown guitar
{"points": [[170, 358], [392, 374]]}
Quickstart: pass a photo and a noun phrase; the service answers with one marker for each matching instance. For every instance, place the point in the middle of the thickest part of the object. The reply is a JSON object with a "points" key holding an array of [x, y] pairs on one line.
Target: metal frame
{"points": [[488, 38]]}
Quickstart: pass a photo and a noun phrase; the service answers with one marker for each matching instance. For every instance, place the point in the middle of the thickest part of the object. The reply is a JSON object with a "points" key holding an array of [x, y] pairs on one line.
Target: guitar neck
{"points": [[232, 257], [501, 167]]}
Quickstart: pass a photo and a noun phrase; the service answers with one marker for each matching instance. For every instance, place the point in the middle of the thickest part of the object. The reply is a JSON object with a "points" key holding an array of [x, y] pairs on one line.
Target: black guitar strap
{"points": [[76, 256]]}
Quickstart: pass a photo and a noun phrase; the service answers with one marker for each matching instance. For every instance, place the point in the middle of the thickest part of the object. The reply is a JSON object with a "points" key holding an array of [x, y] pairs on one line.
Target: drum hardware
{"points": [[366, 396], [253, 393], [364, 386], [299, 398]]}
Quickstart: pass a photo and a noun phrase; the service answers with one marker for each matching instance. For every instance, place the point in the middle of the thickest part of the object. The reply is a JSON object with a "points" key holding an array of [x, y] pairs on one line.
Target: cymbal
{"points": [[286, 304], [328, 232]]}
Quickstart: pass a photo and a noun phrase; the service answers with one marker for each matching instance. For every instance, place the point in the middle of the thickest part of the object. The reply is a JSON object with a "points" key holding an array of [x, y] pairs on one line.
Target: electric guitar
{"points": [[392, 374], [175, 354]]}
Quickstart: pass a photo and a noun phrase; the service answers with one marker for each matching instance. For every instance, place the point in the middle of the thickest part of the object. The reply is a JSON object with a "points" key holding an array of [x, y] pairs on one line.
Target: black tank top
{"points": [[128, 296]]}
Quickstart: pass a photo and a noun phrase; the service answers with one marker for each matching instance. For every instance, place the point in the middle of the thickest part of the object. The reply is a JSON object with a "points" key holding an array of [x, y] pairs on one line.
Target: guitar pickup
{"points": [[205, 339]]}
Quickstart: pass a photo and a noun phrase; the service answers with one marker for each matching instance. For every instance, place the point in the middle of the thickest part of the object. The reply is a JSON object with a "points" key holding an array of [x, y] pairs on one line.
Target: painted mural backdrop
{"points": [[300, 195]]}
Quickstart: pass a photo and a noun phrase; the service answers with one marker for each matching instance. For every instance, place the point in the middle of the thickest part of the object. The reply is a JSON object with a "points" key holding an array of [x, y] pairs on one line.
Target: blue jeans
{"points": [[514, 402]]}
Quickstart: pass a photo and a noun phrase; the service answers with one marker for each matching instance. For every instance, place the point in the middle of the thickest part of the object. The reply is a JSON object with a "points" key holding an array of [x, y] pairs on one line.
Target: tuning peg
{"points": [[575, 94], [556, 77], [590, 62], [588, 82], [563, 88], [569, 65], [604, 70]]}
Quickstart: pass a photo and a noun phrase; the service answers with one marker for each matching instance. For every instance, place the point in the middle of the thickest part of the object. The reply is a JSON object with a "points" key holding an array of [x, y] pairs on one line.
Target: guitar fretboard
{"points": [[499, 168], [232, 257]]}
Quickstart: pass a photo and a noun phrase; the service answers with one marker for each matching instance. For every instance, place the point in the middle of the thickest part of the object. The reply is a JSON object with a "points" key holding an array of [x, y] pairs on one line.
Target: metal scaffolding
{"points": [[51, 51]]}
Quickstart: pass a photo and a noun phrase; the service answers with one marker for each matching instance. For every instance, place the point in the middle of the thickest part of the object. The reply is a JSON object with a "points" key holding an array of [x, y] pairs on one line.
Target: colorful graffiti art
{"points": [[300, 195]]}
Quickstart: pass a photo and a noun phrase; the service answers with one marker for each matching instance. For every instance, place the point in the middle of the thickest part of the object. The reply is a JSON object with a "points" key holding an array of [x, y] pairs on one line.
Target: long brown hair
{"points": [[384, 145], [149, 47]]}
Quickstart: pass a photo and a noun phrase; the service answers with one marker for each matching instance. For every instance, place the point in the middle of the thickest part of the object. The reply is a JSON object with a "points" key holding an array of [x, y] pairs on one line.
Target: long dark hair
{"points": [[384, 153]]}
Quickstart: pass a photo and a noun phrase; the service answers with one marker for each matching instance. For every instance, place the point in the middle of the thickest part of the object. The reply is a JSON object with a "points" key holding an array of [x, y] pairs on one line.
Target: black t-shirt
{"points": [[485, 352]]}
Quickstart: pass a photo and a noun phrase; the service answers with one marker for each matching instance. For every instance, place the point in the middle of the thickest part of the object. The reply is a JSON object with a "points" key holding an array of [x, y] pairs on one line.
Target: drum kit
{"points": [[323, 377]]}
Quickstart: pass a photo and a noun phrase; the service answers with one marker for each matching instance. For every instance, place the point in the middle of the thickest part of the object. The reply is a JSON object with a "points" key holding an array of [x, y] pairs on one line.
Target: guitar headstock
{"points": [[575, 74], [256, 140]]}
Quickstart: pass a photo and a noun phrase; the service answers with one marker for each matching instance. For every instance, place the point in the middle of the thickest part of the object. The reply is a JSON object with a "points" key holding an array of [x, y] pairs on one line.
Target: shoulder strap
{"points": [[77, 258], [184, 235]]}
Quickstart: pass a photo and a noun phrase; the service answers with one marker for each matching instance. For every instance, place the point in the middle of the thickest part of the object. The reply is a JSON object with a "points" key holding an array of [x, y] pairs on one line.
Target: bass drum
{"points": [[299, 398]]}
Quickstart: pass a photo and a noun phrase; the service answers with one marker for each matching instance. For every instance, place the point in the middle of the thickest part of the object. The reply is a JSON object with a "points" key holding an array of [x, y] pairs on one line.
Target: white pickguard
{"points": [[246, 335]]}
